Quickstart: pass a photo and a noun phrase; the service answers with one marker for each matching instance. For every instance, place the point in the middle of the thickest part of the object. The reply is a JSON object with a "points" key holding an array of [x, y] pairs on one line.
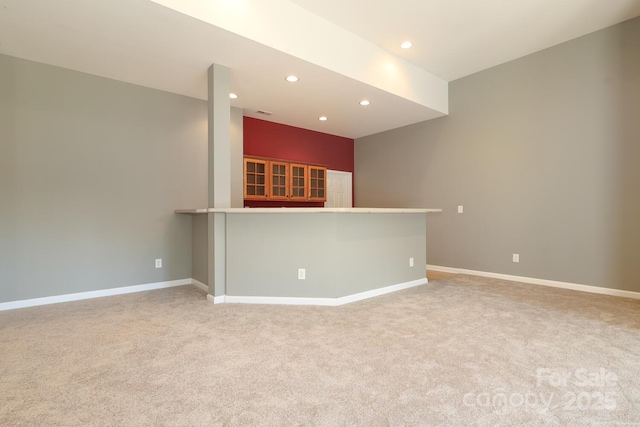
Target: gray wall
{"points": [[200, 248], [544, 154], [343, 254], [91, 170]]}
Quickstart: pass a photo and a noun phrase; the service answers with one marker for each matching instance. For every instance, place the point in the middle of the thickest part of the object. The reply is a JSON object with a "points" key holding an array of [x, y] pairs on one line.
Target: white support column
{"points": [[219, 137], [219, 174]]}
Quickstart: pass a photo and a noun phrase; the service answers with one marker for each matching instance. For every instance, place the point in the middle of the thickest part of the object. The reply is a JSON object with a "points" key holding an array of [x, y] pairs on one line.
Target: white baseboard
{"points": [[330, 302], [279, 300], [542, 282], [198, 284], [216, 300], [381, 291], [11, 305]]}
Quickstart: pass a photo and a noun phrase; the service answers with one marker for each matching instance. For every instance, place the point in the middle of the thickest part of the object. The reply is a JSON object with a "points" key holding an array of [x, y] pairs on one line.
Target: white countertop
{"points": [[304, 210]]}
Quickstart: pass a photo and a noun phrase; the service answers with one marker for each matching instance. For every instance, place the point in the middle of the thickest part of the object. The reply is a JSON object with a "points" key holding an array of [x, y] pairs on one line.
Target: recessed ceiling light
{"points": [[364, 102], [406, 45], [323, 118], [233, 96], [292, 79]]}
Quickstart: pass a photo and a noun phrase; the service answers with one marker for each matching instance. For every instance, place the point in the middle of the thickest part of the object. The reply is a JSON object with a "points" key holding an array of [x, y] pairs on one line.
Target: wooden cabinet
{"points": [[255, 179], [278, 180], [299, 182], [317, 183]]}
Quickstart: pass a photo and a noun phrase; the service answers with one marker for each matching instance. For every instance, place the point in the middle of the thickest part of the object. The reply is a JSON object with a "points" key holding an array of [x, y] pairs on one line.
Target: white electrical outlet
{"points": [[159, 263], [516, 257], [302, 273], [410, 262], [460, 209]]}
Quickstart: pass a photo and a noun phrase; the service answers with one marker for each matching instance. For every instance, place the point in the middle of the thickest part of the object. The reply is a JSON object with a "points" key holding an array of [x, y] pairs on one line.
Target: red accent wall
{"points": [[274, 140]]}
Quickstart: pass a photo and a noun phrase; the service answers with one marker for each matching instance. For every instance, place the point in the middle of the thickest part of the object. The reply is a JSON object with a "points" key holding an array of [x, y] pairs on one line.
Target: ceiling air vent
{"points": [[265, 113]]}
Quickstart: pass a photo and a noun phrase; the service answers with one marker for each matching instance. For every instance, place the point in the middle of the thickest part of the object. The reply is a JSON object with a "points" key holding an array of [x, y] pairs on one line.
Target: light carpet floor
{"points": [[458, 351]]}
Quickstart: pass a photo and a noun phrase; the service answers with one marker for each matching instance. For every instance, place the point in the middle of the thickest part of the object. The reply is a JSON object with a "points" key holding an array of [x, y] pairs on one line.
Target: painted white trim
{"points": [[220, 299], [446, 269], [329, 302], [280, 300], [380, 291], [541, 282], [11, 305], [198, 284]]}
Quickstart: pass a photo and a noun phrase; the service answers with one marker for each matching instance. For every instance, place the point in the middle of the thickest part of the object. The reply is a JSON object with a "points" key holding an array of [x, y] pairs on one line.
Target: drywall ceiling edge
{"points": [[289, 28]]}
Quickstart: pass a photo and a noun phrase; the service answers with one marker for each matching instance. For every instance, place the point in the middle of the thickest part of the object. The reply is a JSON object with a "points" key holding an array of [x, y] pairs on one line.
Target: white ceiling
{"points": [[343, 51], [455, 38]]}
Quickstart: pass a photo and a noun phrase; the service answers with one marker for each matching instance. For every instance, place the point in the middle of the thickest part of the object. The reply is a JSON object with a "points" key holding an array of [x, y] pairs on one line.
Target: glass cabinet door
{"points": [[299, 182], [255, 179], [279, 175], [317, 183]]}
